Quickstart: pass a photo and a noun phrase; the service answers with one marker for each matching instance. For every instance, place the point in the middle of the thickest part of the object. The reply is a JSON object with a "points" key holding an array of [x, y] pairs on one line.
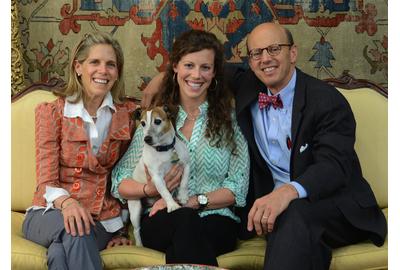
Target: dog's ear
{"points": [[167, 111], [137, 114]]}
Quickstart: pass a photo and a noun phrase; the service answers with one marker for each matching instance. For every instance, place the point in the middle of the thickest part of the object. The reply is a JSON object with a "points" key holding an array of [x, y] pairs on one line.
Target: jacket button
{"points": [[76, 186]]}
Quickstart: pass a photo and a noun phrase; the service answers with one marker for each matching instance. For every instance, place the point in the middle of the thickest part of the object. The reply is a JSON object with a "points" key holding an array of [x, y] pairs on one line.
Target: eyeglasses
{"points": [[272, 50]]}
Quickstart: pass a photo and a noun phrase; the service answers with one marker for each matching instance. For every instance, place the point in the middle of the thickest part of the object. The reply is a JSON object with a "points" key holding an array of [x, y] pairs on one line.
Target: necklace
{"points": [[191, 117]]}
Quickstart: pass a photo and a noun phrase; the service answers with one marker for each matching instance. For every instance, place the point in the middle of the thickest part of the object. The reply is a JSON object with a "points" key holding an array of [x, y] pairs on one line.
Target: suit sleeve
{"points": [[330, 165], [47, 139]]}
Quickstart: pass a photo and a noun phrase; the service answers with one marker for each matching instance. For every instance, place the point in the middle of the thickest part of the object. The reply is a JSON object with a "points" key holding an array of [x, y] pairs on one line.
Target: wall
{"points": [[332, 35]]}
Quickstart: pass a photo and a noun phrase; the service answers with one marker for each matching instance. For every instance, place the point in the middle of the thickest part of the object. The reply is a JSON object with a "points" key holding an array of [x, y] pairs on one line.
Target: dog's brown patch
{"points": [[158, 112]]}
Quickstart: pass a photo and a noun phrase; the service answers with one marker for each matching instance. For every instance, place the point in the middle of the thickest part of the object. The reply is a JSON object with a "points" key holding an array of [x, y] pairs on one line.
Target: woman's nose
{"points": [[196, 73]]}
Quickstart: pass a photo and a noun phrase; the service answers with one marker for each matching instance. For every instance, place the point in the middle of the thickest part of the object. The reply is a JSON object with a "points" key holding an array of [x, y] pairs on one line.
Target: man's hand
{"points": [[266, 209], [152, 88], [76, 218]]}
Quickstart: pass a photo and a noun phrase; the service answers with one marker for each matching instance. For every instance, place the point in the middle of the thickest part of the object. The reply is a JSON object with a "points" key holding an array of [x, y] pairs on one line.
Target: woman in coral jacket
{"points": [[79, 137]]}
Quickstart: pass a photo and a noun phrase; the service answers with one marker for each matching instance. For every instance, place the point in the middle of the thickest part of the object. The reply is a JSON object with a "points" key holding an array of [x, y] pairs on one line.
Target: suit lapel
{"points": [[298, 105]]}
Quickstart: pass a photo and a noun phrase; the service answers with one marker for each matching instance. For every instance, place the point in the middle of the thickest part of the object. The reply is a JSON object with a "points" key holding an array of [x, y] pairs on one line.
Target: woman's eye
{"points": [[143, 123], [188, 65], [157, 121]]}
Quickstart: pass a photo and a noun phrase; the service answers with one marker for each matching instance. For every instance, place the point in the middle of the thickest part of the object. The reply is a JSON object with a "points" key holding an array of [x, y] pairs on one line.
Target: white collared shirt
{"points": [[97, 133]]}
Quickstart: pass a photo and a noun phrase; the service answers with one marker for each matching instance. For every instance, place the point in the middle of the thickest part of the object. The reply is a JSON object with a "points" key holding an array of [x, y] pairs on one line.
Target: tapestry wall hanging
{"points": [[332, 35]]}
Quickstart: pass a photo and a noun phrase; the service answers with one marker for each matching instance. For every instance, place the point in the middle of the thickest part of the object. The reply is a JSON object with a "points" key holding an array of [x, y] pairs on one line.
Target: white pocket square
{"points": [[303, 147]]}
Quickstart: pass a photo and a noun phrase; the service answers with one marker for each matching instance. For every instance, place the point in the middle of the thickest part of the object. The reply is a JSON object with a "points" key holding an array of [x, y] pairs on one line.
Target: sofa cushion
{"points": [[371, 112], [25, 255], [249, 255]]}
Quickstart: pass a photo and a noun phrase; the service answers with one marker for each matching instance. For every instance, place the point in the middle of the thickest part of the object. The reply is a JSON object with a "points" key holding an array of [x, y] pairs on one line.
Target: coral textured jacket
{"points": [[64, 157]]}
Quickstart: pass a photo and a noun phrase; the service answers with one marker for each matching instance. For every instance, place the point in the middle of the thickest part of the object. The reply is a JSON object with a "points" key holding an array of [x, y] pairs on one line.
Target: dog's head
{"points": [[157, 127]]}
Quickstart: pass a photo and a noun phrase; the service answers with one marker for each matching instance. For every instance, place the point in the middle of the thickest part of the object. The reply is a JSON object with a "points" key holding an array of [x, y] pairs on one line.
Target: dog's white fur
{"points": [[158, 130]]}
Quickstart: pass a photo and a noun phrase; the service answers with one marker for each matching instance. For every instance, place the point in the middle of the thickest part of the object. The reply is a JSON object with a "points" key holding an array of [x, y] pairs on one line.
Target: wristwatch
{"points": [[202, 199]]}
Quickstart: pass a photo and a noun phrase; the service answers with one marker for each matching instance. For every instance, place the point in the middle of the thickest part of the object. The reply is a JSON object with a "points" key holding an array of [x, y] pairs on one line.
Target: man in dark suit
{"points": [[307, 193]]}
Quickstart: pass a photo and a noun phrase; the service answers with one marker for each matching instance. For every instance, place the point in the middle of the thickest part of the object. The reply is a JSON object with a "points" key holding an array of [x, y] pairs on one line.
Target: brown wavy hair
{"points": [[220, 100], [81, 53]]}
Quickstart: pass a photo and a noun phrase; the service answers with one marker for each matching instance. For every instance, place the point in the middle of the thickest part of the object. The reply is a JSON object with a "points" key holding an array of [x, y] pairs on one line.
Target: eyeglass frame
{"points": [[268, 50]]}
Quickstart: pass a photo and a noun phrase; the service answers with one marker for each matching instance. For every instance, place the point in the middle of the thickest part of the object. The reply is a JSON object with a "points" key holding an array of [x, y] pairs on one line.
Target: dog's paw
{"points": [[172, 207]]}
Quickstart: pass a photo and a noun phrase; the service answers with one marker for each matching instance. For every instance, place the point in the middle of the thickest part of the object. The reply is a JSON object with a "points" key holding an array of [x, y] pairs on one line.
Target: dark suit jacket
{"points": [[329, 166]]}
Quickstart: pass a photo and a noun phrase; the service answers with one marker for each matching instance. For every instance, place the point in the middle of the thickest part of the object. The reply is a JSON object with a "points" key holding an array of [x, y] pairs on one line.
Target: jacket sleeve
{"points": [[47, 139]]}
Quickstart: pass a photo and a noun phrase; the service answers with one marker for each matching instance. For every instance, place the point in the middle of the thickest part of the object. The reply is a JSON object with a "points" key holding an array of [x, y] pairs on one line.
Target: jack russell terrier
{"points": [[161, 150]]}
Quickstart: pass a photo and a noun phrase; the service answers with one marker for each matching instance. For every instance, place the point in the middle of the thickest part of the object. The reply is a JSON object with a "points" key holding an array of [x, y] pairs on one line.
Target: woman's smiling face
{"points": [[194, 73], [98, 71]]}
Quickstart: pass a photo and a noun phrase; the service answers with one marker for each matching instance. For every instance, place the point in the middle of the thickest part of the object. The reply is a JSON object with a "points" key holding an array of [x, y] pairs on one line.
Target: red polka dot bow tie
{"points": [[265, 101]]}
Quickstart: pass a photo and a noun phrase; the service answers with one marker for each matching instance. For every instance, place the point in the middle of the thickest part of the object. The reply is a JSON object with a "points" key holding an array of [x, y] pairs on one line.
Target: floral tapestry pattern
{"points": [[332, 35]]}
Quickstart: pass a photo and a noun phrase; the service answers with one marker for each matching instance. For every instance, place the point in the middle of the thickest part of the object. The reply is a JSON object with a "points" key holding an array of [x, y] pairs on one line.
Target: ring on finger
{"points": [[265, 217]]}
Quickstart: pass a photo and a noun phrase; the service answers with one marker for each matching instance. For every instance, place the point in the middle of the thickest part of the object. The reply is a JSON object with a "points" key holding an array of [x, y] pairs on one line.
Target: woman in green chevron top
{"points": [[202, 112]]}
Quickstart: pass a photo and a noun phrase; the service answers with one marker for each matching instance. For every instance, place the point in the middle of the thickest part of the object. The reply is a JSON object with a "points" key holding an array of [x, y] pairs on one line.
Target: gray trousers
{"points": [[65, 251]]}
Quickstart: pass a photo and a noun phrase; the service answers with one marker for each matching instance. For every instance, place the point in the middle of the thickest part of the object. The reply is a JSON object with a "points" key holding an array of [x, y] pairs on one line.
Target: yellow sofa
{"points": [[369, 104]]}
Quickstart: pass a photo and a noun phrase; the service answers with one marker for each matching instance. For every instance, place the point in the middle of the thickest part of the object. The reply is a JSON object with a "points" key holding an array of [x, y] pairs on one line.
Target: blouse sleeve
{"points": [[47, 139], [239, 168], [127, 164]]}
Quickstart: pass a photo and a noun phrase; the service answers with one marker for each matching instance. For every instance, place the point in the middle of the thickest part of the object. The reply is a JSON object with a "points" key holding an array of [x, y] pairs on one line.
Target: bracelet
{"points": [[61, 204], [144, 191]]}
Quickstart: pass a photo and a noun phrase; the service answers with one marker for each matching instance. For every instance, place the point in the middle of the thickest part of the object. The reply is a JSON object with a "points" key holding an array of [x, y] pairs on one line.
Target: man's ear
{"points": [[293, 54]]}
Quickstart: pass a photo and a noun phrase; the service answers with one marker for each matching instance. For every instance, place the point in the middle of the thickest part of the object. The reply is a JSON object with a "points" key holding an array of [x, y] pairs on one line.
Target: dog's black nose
{"points": [[148, 140]]}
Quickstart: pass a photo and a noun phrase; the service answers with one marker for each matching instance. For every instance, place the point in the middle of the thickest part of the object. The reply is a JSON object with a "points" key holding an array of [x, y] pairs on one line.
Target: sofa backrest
{"points": [[23, 175], [370, 109]]}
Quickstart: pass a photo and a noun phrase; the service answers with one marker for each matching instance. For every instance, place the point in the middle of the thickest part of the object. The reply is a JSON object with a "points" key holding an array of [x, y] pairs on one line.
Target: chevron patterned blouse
{"points": [[211, 168]]}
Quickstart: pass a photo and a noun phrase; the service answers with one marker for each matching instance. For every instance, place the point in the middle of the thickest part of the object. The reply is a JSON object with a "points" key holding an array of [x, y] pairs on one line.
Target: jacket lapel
{"points": [[299, 102], [74, 129]]}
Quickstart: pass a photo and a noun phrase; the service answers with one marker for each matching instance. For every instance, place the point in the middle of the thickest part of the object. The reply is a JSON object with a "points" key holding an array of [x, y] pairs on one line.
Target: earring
{"points": [[78, 74], [174, 77]]}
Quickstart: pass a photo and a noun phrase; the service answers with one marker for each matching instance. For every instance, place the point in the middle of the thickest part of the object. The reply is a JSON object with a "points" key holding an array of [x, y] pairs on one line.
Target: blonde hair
{"points": [[74, 85]]}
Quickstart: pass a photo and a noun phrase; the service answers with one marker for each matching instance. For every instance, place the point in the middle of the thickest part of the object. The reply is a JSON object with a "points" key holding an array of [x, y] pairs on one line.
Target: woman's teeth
{"points": [[194, 85], [100, 81]]}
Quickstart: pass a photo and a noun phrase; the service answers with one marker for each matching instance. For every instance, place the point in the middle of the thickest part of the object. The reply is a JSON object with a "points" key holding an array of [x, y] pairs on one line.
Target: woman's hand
{"points": [[172, 180], [158, 205], [76, 218], [192, 202], [119, 241]]}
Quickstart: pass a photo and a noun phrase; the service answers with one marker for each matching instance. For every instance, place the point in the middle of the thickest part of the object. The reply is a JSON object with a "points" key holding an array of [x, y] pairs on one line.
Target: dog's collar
{"points": [[164, 148]]}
